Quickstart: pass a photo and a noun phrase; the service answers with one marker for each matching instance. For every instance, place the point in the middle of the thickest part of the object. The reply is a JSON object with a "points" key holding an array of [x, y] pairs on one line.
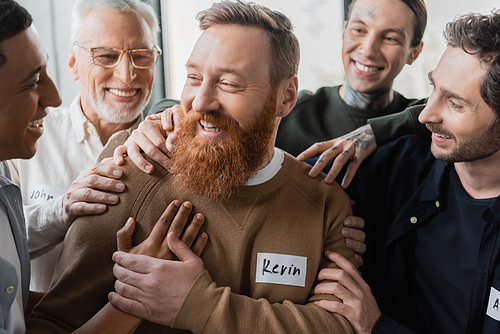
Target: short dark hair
{"points": [[418, 8], [13, 20], [479, 34], [283, 45]]}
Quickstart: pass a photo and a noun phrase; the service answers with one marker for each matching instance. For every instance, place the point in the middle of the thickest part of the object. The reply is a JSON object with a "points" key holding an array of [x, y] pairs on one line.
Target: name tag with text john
{"points": [[39, 193], [281, 269]]}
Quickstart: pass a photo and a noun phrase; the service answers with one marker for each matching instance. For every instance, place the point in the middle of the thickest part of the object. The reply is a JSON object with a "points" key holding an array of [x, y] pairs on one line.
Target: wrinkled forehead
{"points": [[112, 28]]}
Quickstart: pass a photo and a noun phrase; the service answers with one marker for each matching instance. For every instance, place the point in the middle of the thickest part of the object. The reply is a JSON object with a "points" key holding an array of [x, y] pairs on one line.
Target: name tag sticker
{"points": [[281, 269], [39, 193], [493, 309]]}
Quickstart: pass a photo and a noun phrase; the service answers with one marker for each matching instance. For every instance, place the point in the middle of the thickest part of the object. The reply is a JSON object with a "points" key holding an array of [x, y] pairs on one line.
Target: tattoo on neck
{"points": [[376, 100]]}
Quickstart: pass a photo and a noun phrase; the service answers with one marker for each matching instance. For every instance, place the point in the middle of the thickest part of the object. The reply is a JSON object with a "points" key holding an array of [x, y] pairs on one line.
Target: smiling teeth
{"points": [[209, 126], [442, 136], [122, 93], [365, 68], [36, 123]]}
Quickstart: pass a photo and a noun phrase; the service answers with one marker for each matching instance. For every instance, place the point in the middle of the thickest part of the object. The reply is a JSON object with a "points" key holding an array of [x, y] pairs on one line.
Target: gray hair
{"points": [[83, 7]]}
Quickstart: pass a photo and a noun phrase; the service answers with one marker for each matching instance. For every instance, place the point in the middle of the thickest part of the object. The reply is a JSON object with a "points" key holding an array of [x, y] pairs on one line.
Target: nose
{"points": [[370, 47], [49, 95], [125, 71], [430, 114], [205, 99]]}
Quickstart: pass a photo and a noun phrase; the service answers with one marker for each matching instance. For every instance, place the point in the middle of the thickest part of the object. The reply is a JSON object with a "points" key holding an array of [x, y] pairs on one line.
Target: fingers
{"points": [[107, 171], [353, 234], [76, 209], [180, 221], [172, 125], [118, 154], [180, 249], [161, 228], [134, 153], [354, 239], [126, 290], [333, 306], [355, 222], [189, 236], [124, 235], [332, 288], [313, 150], [200, 244], [129, 306], [150, 137], [349, 277], [153, 117], [351, 172], [167, 120], [129, 267]]}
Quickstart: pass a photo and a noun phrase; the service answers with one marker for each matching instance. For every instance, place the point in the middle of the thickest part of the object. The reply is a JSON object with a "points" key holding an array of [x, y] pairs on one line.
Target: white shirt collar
{"points": [[268, 172]]}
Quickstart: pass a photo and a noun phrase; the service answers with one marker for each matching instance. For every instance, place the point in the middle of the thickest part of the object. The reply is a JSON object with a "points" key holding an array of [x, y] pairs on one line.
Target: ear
{"points": [[287, 96], [415, 52], [72, 64]]}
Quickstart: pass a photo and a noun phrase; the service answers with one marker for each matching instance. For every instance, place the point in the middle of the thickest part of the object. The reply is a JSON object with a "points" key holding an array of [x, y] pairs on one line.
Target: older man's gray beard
{"points": [[119, 112]]}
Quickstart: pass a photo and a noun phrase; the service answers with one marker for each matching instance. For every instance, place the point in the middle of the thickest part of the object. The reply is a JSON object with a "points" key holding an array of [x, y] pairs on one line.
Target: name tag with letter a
{"points": [[493, 309]]}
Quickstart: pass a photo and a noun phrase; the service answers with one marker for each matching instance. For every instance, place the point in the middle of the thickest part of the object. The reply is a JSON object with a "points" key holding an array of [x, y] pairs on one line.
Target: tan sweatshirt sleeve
{"points": [[212, 309]]}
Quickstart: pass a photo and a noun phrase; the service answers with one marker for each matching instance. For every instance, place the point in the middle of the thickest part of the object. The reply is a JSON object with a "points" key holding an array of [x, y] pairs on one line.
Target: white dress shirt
{"points": [[69, 145]]}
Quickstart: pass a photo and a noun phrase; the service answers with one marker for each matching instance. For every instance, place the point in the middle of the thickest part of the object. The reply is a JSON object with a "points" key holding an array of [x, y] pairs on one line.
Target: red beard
{"points": [[219, 168]]}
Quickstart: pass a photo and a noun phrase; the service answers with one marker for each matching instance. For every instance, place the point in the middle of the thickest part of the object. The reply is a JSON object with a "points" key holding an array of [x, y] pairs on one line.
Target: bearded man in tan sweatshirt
{"points": [[269, 224]]}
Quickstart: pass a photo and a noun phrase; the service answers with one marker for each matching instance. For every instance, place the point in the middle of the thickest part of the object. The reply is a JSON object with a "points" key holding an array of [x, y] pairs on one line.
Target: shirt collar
{"points": [[5, 179], [432, 189], [81, 124], [434, 184], [268, 172]]}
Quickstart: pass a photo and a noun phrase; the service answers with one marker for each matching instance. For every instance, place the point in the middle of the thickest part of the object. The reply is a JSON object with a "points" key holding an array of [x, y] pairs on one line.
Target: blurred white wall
{"points": [[318, 27]]}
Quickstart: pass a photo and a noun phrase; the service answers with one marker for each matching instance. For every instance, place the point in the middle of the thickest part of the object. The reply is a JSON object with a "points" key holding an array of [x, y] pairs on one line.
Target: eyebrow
{"points": [[446, 92], [229, 70], [400, 31], [33, 73]]}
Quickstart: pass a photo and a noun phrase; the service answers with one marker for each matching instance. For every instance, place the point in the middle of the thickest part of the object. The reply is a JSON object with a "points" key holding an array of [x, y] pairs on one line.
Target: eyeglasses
{"points": [[110, 57]]}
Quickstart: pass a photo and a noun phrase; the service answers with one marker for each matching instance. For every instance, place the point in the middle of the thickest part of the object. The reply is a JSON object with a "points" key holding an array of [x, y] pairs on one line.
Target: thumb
{"points": [[124, 235], [179, 248]]}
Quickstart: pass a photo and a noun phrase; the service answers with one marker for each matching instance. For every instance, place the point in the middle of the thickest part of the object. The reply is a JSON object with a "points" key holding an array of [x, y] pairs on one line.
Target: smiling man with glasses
{"points": [[112, 54]]}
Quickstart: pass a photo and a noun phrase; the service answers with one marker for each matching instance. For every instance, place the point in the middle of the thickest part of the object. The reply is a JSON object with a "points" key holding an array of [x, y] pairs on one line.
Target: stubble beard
{"points": [[218, 169], [479, 147]]}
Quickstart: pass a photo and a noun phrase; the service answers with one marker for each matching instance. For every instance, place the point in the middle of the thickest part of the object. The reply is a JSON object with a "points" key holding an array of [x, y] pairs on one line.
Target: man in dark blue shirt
{"points": [[433, 216]]}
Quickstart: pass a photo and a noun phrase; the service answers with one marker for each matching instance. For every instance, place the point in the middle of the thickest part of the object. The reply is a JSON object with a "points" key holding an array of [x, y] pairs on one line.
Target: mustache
{"points": [[223, 122], [437, 129]]}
